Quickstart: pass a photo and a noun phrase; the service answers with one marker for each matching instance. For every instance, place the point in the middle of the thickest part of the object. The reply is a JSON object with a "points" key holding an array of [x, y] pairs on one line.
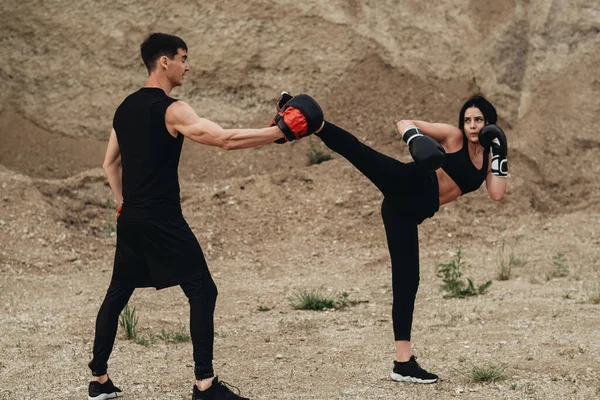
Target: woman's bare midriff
{"points": [[448, 189]]}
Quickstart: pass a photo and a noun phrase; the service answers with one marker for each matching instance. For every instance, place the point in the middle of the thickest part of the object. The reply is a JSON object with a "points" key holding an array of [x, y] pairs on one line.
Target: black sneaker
{"points": [[410, 371], [103, 391], [217, 391]]}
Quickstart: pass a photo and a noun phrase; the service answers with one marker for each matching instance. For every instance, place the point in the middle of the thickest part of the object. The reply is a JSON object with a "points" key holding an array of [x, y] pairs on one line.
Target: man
{"points": [[155, 246]]}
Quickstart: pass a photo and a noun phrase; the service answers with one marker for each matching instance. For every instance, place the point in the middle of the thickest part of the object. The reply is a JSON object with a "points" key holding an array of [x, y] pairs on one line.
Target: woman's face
{"points": [[473, 123]]}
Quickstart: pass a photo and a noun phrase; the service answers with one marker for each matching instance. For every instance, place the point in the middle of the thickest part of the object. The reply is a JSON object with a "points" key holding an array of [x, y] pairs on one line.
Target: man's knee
{"points": [[201, 288]]}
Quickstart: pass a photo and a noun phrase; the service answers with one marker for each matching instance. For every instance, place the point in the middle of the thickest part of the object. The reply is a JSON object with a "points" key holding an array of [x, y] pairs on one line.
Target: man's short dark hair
{"points": [[160, 44], [486, 108]]}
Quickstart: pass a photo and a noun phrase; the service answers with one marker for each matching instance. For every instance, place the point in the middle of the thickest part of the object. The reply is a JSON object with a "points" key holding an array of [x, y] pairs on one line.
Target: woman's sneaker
{"points": [[410, 371], [217, 391], [103, 391]]}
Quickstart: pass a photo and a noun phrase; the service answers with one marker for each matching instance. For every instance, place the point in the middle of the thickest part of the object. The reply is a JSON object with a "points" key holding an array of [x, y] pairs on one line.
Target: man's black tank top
{"points": [[149, 155], [459, 167]]}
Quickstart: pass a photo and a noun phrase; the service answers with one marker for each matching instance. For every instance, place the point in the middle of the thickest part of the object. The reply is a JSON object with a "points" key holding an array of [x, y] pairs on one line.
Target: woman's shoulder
{"points": [[454, 139], [443, 133]]}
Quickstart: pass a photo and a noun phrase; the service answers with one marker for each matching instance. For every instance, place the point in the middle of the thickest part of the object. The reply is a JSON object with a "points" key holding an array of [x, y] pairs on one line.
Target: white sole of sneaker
{"points": [[106, 396], [400, 378]]}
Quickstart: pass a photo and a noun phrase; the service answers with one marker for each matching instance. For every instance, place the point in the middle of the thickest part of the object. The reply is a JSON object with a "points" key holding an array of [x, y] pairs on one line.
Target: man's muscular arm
{"points": [[112, 166], [182, 118]]}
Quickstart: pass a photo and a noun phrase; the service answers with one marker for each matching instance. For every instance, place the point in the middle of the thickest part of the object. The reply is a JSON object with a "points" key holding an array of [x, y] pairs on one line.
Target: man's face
{"points": [[177, 67]]}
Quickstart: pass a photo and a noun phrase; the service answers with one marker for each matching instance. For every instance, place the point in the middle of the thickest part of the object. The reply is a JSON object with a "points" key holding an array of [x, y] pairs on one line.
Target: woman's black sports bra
{"points": [[461, 170]]}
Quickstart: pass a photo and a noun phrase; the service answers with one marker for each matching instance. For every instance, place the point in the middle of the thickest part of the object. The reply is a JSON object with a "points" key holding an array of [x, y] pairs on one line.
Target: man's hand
{"points": [[297, 116], [283, 99]]}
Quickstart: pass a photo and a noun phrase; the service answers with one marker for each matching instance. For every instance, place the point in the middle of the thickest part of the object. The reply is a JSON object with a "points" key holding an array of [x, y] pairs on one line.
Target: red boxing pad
{"points": [[301, 116]]}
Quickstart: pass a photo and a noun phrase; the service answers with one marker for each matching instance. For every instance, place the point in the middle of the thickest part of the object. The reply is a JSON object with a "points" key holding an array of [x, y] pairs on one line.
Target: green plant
{"points": [[453, 284], [504, 271], [560, 265], [128, 321], [342, 301], [174, 337], [489, 373], [316, 156], [315, 300], [144, 341], [506, 262], [263, 308]]}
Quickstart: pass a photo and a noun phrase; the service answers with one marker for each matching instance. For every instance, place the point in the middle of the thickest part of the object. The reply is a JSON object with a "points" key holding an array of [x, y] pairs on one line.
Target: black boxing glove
{"points": [[492, 137], [427, 153], [299, 117]]}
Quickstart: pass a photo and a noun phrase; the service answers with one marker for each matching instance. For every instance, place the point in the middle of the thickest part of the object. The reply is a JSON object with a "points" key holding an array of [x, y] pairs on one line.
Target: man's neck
{"points": [[158, 82]]}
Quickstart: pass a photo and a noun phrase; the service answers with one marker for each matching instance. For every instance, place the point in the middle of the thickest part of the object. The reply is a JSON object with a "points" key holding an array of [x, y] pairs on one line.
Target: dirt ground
{"points": [[271, 225]]}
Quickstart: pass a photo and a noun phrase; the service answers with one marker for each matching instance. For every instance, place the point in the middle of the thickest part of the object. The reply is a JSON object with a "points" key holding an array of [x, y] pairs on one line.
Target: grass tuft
{"points": [[143, 341], [179, 336], [489, 373], [315, 300], [128, 321], [506, 261], [316, 156]]}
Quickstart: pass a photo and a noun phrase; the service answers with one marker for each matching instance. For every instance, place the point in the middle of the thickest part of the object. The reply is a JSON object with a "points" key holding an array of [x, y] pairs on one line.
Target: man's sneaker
{"points": [[410, 371], [103, 391], [217, 391]]}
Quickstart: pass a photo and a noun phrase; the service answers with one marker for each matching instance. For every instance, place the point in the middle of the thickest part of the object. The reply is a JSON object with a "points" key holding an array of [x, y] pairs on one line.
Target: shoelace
{"points": [[417, 364], [228, 385], [421, 368]]}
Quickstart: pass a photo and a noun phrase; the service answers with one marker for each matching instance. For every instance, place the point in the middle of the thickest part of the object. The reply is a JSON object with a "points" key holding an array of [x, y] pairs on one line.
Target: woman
{"points": [[415, 191]]}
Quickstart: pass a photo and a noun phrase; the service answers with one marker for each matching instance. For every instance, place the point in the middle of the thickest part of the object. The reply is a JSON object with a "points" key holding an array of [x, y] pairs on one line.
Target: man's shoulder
{"points": [[130, 98], [178, 109]]}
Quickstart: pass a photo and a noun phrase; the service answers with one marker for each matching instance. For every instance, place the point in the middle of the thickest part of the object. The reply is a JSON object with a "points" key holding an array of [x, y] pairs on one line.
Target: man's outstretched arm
{"points": [[112, 166], [182, 118]]}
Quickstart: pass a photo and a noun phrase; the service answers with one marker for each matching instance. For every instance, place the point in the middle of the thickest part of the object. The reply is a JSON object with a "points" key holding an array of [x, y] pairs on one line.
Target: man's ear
{"points": [[164, 62]]}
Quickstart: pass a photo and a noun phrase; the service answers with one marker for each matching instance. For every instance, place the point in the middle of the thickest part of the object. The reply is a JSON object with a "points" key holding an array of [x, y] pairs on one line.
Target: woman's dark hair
{"points": [[160, 44], [486, 108]]}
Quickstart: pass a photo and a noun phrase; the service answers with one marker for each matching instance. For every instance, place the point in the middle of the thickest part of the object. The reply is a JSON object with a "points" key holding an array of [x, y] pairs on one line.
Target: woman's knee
{"points": [[407, 284], [212, 289]]}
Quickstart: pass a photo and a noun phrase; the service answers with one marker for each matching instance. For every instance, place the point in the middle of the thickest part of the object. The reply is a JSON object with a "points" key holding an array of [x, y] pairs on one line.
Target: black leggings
{"points": [[202, 295], [410, 196]]}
